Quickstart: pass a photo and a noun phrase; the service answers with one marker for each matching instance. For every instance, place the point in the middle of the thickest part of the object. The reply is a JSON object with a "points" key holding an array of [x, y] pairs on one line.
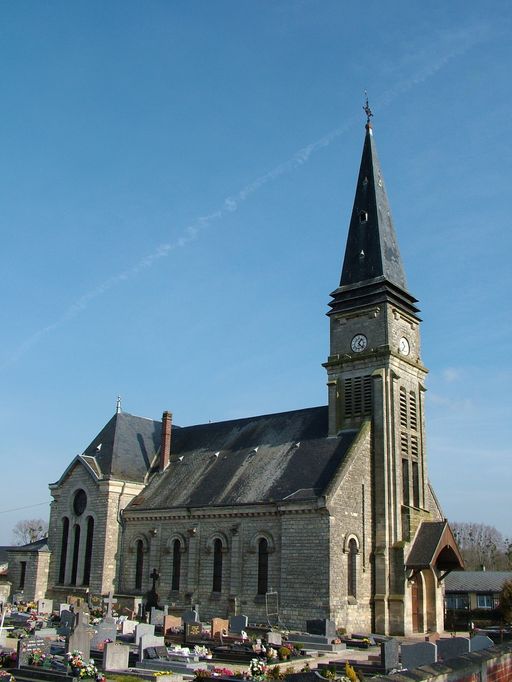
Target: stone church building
{"points": [[326, 510]]}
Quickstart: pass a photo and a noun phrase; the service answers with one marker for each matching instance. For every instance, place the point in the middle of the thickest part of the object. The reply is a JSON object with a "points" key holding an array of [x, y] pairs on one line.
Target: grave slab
{"points": [[102, 632], [220, 626], [452, 647], [238, 623], [414, 655], [190, 617], [480, 642], [115, 656]]}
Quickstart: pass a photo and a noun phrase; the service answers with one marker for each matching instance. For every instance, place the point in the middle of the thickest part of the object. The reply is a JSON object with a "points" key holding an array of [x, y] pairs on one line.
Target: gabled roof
{"points": [[434, 546], [124, 449], [477, 581], [271, 458]]}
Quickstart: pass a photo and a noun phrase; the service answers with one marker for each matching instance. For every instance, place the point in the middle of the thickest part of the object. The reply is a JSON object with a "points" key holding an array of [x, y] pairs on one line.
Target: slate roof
{"points": [[124, 449], [372, 269], [477, 581], [37, 546], [376, 236], [270, 458], [434, 544]]}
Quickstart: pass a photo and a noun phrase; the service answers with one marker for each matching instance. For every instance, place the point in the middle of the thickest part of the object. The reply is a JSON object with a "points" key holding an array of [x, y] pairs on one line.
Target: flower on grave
{"points": [[81, 668], [7, 659], [5, 676], [222, 672], [160, 673], [36, 657], [257, 668], [201, 650]]}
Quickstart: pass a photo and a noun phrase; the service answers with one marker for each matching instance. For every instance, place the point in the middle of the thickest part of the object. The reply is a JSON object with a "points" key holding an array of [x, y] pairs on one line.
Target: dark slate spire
{"points": [[372, 261]]}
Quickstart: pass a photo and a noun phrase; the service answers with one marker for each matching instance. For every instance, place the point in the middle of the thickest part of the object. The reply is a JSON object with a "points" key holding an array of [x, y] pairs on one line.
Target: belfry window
{"points": [[263, 566], [217, 566], [358, 396], [410, 447], [176, 565], [352, 569]]}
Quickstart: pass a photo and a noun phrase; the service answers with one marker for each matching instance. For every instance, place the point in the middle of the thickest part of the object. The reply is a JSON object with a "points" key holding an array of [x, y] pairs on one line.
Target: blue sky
{"points": [[176, 182]]}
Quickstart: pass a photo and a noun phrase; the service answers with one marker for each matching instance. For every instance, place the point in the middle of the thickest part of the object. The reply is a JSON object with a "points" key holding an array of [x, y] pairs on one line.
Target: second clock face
{"points": [[403, 346], [359, 343]]}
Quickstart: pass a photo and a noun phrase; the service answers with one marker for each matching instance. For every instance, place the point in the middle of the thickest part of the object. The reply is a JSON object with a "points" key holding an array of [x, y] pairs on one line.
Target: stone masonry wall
{"points": [[350, 510], [36, 574], [297, 562]]}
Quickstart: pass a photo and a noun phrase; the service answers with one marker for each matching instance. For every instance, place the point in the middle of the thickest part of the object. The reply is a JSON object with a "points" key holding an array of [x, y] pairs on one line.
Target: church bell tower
{"points": [[375, 373]]}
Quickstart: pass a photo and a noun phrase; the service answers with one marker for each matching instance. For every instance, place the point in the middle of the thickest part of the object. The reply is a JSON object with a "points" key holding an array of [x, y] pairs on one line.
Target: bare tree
{"points": [[482, 546], [29, 530]]}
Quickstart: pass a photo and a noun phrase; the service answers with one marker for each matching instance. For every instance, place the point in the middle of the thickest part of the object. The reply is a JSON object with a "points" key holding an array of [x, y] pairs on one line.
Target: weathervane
{"points": [[367, 109]]}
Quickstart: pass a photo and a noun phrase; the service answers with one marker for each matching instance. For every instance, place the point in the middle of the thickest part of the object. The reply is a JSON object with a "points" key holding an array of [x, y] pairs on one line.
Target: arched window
{"points": [[263, 566], [352, 569], [88, 550], [76, 549], [63, 550], [217, 566], [176, 565], [139, 564]]}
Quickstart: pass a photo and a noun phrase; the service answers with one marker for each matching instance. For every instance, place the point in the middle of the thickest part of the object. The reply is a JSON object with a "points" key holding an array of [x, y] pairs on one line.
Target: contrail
{"points": [[458, 43]]}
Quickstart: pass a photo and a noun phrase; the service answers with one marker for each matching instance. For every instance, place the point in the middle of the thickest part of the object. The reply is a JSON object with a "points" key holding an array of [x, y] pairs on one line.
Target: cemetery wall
{"points": [[488, 665], [349, 504]]}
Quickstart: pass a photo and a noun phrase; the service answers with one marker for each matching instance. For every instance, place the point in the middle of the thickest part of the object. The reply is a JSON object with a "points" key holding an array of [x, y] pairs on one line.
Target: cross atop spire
{"points": [[367, 111]]}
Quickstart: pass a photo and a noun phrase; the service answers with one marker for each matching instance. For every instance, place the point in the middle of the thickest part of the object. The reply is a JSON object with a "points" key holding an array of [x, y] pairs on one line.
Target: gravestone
{"points": [[102, 632], [452, 647], [156, 617], [115, 656], [148, 640], [324, 627], [479, 642], [414, 655], [128, 627], [190, 617], [390, 654], [171, 623], [47, 633], [238, 623], [220, 626], [81, 636], [143, 629], [63, 607], [27, 646], [109, 601], [274, 639], [67, 622], [44, 606], [193, 631]]}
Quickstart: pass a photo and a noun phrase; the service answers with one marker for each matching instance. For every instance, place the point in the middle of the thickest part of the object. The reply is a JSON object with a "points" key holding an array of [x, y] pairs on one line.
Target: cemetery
{"points": [[63, 642]]}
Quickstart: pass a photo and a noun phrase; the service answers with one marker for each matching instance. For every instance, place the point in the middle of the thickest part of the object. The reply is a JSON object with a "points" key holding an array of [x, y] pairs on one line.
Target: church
{"points": [[324, 512]]}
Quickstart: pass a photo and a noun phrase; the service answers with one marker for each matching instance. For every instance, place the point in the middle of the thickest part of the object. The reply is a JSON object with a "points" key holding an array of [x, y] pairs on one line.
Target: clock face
{"points": [[403, 346], [359, 343]]}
